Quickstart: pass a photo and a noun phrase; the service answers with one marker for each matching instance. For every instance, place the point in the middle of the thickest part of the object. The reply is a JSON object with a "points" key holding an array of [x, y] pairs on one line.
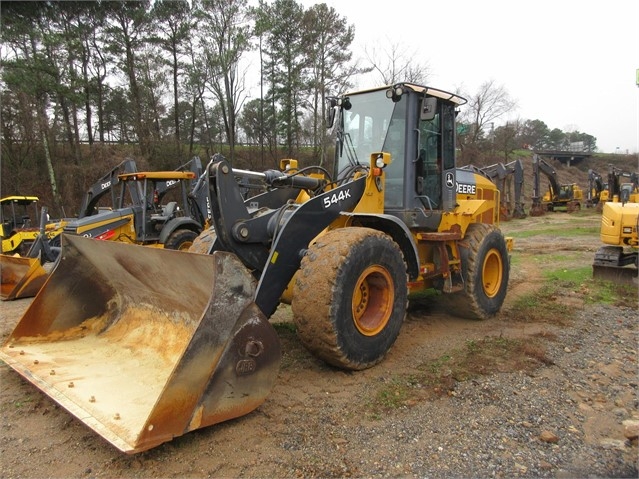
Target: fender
{"points": [[182, 222], [397, 230]]}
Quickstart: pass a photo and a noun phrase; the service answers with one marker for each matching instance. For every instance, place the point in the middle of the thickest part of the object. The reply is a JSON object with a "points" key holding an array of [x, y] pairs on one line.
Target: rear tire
{"points": [[180, 240], [350, 297], [485, 269]]}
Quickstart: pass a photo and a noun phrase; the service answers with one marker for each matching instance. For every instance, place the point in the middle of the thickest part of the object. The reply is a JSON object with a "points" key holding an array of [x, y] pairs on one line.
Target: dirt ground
{"points": [[40, 439]]}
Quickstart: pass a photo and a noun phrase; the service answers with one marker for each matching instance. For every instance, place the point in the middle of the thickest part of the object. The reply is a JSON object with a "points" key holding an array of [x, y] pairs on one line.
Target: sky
{"points": [[569, 63]]}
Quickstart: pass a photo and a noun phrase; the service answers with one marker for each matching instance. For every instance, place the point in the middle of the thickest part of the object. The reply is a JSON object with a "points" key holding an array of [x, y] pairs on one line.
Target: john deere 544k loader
{"points": [[144, 344]]}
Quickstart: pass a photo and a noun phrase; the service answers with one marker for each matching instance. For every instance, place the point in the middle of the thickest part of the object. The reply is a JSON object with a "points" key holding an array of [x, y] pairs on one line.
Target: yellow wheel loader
{"points": [[20, 224], [145, 344], [25, 246], [23, 276]]}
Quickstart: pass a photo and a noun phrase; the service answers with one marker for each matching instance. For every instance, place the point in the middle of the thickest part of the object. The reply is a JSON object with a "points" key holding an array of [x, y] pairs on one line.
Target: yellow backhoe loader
{"points": [[28, 249], [144, 344]]}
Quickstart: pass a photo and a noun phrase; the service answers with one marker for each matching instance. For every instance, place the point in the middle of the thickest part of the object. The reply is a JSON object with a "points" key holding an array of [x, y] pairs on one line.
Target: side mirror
{"points": [[428, 108], [331, 103]]}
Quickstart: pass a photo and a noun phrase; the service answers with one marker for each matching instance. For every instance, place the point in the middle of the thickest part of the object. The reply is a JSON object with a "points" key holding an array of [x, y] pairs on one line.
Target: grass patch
{"points": [[479, 357], [549, 303], [285, 328], [20, 403], [609, 292], [558, 232], [294, 354], [543, 306], [568, 277]]}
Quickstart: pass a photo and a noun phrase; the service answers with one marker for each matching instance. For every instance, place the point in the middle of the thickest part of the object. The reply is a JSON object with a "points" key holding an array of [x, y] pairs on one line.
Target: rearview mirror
{"points": [[428, 108]]}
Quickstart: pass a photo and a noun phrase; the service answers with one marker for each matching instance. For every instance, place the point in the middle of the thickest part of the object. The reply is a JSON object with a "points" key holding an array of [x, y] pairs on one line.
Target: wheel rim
{"points": [[185, 245], [492, 271], [373, 300]]}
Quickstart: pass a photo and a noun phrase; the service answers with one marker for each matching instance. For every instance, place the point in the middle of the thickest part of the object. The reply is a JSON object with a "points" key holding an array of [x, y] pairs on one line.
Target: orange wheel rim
{"points": [[373, 300], [185, 246], [492, 272]]}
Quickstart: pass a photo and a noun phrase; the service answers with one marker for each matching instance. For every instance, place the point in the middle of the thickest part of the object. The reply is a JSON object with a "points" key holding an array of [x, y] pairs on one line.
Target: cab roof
{"points": [[22, 200], [436, 92]]}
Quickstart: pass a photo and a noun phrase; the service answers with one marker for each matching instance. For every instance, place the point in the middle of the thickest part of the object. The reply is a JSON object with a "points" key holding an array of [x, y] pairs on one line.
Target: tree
{"points": [[395, 62], [225, 38], [128, 31], [505, 139], [557, 139], [282, 25], [172, 32], [329, 38], [534, 134], [30, 71], [484, 108]]}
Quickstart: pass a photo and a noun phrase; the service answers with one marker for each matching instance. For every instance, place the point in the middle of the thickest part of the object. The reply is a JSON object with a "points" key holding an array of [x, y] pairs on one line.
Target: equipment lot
{"points": [[562, 418]]}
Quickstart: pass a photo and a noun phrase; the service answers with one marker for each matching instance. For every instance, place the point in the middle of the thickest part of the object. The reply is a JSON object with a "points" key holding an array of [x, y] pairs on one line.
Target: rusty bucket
{"points": [[144, 344], [21, 277]]}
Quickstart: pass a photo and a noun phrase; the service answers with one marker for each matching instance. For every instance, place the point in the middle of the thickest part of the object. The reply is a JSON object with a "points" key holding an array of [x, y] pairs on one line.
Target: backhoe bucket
{"points": [[21, 277], [144, 344]]}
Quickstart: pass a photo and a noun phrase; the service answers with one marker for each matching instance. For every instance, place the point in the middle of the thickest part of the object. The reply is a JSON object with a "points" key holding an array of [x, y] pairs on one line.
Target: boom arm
{"points": [[103, 186], [270, 232], [550, 173]]}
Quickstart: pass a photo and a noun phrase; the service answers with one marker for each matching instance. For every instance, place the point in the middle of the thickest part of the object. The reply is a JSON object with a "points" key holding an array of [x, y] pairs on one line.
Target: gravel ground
{"points": [[521, 425], [576, 416], [569, 419]]}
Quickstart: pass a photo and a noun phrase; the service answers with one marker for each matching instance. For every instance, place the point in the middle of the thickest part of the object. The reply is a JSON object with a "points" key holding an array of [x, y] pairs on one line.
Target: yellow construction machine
{"points": [[28, 249], [20, 224], [567, 197], [622, 186], [618, 259], [512, 205], [29, 240], [145, 344]]}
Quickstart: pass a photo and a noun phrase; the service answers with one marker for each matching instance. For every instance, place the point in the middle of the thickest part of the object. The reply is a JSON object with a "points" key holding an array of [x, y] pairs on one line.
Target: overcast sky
{"points": [[571, 64]]}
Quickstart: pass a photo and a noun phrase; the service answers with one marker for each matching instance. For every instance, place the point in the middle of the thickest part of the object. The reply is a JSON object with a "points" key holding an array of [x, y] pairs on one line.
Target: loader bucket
{"points": [[144, 344], [21, 277]]}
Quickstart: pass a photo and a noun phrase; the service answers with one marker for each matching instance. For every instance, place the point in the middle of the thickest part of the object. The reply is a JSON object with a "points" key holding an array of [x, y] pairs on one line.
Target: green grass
{"points": [[558, 232], [569, 276]]}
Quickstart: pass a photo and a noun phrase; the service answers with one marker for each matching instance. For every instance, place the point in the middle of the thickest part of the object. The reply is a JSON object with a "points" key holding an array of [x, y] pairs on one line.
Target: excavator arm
{"points": [[106, 184]]}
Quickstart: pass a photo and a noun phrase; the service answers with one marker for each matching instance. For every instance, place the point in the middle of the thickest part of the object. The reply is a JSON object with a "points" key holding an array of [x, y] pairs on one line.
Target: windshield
{"points": [[365, 127]]}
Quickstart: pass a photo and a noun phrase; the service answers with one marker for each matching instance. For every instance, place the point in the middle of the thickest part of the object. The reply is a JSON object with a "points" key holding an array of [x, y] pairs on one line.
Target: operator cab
{"points": [[416, 125]]}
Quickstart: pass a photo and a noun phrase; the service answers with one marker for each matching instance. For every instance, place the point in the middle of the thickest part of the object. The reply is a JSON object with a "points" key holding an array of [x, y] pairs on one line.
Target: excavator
{"points": [[621, 182], [501, 174], [568, 196], [596, 187], [618, 259], [143, 344]]}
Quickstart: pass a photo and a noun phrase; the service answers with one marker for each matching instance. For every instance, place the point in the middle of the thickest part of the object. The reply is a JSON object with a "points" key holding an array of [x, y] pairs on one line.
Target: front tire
{"points": [[350, 297]]}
